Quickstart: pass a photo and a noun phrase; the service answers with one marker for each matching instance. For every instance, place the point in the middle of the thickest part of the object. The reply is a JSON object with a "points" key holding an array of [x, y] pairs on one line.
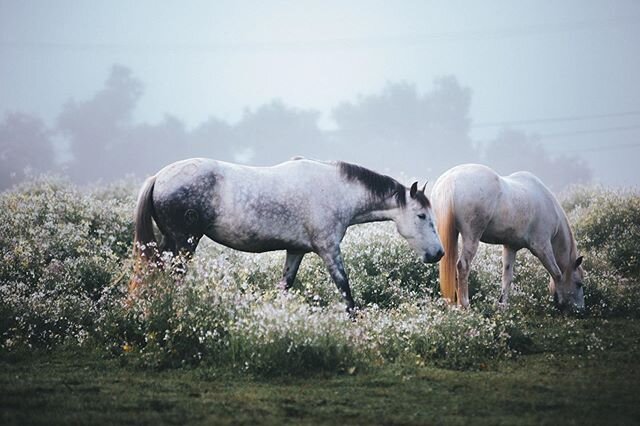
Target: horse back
{"points": [[511, 210], [470, 192], [527, 212], [260, 209]]}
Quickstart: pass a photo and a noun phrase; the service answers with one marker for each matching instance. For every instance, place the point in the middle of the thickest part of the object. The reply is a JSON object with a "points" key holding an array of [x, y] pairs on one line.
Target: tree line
{"points": [[399, 131]]}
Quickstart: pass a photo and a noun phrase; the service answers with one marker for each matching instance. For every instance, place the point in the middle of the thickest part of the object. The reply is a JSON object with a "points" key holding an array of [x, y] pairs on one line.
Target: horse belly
{"points": [[259, 236], [507, 236], [263, 245], [508, 227]]}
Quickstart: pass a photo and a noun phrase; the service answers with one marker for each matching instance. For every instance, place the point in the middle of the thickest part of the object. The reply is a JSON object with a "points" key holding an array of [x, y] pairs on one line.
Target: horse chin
{"points": [[568, 307], [577, 307], [572, 309], [430, 258]]}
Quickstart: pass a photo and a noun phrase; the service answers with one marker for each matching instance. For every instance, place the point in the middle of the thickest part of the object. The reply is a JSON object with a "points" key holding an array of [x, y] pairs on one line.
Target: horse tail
{"points": [[145, 246], [448, 232]]}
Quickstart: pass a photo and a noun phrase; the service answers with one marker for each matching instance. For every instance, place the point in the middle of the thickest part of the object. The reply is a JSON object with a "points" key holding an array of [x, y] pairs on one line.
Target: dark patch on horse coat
{"points": [[381, 186], [186, 211], [191, 218]]}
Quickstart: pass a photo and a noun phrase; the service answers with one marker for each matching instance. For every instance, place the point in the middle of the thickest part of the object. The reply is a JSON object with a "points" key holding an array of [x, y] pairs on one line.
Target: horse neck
{"points": [[564, 244], [369, 209]]}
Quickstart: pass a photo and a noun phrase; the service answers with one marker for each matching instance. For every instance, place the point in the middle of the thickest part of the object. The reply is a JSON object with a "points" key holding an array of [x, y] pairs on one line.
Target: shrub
{"points": [[383, 270], [608, 225], [436, 334], [607, 228], [65, 263], [60, 249]]}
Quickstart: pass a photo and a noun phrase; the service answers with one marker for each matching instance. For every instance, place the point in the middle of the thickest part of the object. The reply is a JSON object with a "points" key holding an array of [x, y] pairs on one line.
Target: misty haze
{"points": [[150, 274], [398, 130], [540, 89]]}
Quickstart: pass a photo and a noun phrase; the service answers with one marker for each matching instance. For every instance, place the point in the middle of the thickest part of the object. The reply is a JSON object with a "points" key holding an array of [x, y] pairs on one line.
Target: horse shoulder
{"points": [[544, 210], [480, 191]]}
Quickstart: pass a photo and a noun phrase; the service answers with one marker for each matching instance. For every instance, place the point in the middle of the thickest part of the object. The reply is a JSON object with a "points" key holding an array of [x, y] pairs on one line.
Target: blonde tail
{"points": [[449, 237]]}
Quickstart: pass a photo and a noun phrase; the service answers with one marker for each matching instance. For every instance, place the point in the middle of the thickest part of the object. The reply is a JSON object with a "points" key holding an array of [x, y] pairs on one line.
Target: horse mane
{"points": [[566, 228], [380, 186]]}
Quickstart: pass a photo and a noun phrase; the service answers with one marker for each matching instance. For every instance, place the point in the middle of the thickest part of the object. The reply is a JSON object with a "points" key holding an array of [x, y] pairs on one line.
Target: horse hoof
{"points": [[352, 312]]}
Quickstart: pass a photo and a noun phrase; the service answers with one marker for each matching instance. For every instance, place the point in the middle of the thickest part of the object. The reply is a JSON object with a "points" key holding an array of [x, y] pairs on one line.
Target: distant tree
{"points": [[106, 143], [398, 130], [143, 149], [513, 151], [214, 139], [95, 127], [25, 147], [275, 132], [403, 130]]}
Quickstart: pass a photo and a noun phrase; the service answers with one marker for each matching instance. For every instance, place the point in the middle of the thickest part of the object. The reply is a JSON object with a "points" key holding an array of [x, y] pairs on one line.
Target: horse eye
{"points": [[579, 284], [422, 216]]}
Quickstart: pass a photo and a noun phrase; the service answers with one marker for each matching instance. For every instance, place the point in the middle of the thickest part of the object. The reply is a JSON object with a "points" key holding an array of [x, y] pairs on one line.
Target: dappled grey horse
{"points": [[300, 206], [517, 211]]}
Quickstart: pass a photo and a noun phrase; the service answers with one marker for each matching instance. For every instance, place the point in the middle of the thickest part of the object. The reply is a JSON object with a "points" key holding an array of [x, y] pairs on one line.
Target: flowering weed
{"points": [[66, 261]]}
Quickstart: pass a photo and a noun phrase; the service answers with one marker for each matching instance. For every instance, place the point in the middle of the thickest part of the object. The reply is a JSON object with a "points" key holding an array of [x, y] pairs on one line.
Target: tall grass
{"points": [[65, 263]]}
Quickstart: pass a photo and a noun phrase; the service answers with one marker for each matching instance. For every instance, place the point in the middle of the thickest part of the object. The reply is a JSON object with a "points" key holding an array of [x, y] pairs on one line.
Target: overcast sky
{"points": [[569, 70]]}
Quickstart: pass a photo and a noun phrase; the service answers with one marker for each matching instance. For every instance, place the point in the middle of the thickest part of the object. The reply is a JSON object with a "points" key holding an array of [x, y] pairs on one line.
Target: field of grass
{"points": [[81, 387], [226, 347]]}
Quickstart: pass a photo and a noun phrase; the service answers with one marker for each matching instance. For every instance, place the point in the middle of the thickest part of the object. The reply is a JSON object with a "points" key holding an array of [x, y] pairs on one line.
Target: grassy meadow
{"points": [[226, 346]]}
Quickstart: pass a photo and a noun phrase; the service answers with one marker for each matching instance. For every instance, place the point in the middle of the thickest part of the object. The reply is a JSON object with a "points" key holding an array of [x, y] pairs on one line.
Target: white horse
{"points": [[517, 211], [300, 206]]}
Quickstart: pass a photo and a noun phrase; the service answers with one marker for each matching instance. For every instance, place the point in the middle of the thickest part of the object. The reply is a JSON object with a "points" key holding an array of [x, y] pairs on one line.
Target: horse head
{"points": [[416, 223], [568, 293]]}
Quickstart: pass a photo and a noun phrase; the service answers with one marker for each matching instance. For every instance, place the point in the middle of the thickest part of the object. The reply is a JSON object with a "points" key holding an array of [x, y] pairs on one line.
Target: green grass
{"points": [[548, 386]]}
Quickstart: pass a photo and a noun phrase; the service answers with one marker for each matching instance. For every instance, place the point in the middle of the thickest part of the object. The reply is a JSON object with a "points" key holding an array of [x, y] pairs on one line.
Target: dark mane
{"points": [[379, 185], [422, 199]]}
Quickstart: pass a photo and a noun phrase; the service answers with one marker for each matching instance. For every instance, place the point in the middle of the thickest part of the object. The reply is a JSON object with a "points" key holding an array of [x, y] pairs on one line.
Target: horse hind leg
{"points": [[469, 249], [176, 251], [181, 235], [183, 248]]}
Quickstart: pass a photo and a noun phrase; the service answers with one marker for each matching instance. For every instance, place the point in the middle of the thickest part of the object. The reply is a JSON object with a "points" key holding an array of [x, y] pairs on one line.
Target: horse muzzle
{"points": [[567, 307], [433, 258]]}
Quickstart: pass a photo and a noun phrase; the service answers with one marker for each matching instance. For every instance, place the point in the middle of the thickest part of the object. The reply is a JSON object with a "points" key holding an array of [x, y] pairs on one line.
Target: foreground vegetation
{"points": [[70, 387], [225, 345]]}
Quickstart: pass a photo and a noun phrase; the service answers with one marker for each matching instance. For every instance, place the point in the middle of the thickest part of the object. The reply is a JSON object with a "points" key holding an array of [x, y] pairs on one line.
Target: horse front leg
{"points": [[544, 252], [291, 265], [469, 249], [332, 258], [508, 261]]}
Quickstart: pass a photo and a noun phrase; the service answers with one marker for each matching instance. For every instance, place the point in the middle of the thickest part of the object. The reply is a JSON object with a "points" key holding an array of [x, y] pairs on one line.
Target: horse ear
{"points": [[414, 190], [578, 261], [424, 187]]}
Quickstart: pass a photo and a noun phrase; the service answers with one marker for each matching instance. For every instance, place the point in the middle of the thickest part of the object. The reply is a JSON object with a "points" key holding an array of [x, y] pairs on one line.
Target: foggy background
{"points": [[104, 90]]}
